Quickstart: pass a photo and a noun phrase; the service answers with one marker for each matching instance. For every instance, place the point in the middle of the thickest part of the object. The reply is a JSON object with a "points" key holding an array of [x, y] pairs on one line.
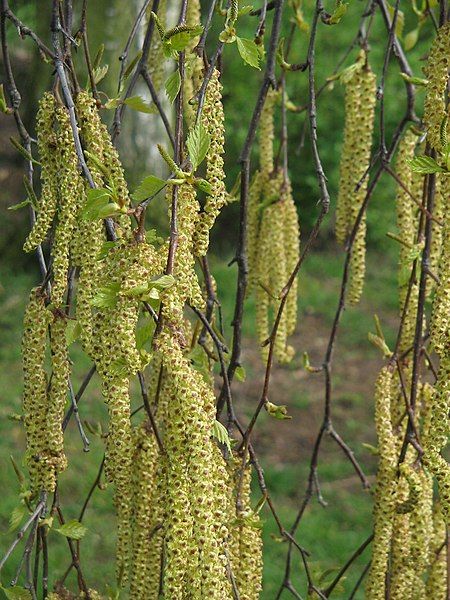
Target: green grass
{"points": [[331, 533]]}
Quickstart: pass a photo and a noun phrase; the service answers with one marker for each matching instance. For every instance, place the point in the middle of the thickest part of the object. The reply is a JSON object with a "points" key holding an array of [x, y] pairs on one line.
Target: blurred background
{"points": [[330, 532]]}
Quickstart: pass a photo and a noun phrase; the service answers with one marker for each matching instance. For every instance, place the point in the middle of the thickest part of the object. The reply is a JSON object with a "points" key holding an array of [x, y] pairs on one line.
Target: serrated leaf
{"points": [[96, 199], [72, 529], [100, 73], [148, 187], [73, 331], [249, 52], [109, 210], [425, 165], [16, 517], [411, 39], [17, 593], [106, 297], [173, 85], [20, 205], [221, 434], [138, 103], [198, 144], [240, 373], [180, 40]]}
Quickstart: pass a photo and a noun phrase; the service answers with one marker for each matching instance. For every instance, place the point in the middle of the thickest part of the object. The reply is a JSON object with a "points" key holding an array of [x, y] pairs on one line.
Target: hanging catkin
{"points": [[436, 587], [35, 401], [355, 159], [213, 121], [435, 112], [48, 154], [384, 500]]}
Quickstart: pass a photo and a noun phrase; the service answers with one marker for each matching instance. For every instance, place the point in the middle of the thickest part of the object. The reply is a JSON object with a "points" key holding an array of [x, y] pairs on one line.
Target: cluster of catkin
{"points": [[360, 97], [273, 242], [185, 526], [410, 516]]}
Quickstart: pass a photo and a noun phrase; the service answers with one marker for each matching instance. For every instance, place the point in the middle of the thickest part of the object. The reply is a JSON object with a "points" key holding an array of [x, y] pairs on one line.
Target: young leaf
{"points": [[163, 282], [178, 41], [100, 73], [16, 593], [16, 517], [18, 146], [96, 200], [106, 297], [415, 80], [139, 104], [173, 85], [240, 373], [106, 247], [131, 66], [73, 331], [278, 411], [338, 13], [249, 52], [72, 529], [198, 144], [19, 205], [221, 435], [144, 334], [425, 165], [149, 186], [203, 186], [411, 39]]}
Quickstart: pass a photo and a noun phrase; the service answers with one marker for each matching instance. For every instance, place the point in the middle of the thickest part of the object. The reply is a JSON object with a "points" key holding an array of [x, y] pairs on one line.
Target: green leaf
{"points": [[414, 80], [163, 282], [100, 73], [198, 144], [3, 105], [203, 186], [18, 146], [16, 517], [112, 103], [148, 187], [411, 39], [131, 66], [400, 23], [379, 342], [139, 104], [173, 85], [144, 334], [338, 13], [96, 199], [20, 205], [106, 297], [180, 40], [31, 195], [152, 237], [221, 434], [16, 593], [106, 247], [72, 529], [425, 165], [240, 373], [372, 449], [98, 56], [278, 411], [73, 331], [249, 52]]}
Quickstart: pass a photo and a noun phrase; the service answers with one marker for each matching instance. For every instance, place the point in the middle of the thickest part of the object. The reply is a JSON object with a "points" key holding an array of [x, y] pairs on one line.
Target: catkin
{"points": [[436, 586], [48, 154], [436, 71], [35, 402], [213, 121], [384, 500]]}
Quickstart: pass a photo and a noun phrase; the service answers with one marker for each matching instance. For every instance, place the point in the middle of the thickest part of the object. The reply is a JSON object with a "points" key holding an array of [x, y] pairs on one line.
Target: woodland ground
{"points": [[330, 533]]}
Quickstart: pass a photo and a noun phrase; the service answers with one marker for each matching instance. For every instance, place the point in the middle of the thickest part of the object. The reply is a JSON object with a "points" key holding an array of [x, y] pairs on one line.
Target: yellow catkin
{"points": [[156, 59], [246, 542], [127, 266], [213, 121], [384, 500], [438, 433], [34, 341], [436, 586], [361, 159], [401, 572], [254, 221], [441, 203], [277, 255], [58, 390], [440, 315], [48, 156], [194, 64], [437, 74], [90, 234], [71, 196], [145, 574]]}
